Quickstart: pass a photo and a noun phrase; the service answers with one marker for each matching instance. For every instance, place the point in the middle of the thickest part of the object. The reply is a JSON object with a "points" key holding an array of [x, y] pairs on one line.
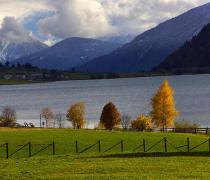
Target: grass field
{"points": [[66, 164]]}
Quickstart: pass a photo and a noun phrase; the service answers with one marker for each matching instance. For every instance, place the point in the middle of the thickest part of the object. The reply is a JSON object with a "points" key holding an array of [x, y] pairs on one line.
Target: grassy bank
{"points": [[12, 82], [113, 164]]}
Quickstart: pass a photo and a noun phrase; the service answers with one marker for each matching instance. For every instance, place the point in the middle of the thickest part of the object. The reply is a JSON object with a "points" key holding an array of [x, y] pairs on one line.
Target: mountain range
{"points": [[153, 46], [69, 53], [9, 51], [111, 54], [193, 54]]}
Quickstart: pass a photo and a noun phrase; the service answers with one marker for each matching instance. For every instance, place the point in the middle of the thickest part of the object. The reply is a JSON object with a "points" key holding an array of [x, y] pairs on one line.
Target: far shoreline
{"points": [[96, 76]]}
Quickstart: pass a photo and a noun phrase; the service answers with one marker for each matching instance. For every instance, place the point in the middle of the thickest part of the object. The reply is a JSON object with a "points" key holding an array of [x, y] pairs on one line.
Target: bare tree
{"points": [[60, 120], [8, 117], [48, 115], [125, 121]]}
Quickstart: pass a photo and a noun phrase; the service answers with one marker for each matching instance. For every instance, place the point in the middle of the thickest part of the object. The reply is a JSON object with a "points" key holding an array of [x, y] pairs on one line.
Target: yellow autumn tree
{"points": [[142, 123], [110, 117], [164, 106], [76, 115]]}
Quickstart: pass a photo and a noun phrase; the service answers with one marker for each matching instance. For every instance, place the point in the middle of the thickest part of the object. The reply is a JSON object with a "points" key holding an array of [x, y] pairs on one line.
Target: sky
{"points": [[53, 20]]}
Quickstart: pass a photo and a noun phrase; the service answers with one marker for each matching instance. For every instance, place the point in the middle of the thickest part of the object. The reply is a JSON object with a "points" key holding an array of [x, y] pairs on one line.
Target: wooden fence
{"points": [[164, 145], [187, 130]]}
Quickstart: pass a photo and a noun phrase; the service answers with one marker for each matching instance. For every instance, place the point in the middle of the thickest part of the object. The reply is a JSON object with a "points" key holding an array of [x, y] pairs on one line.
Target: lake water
{"points": [[131, 96]]}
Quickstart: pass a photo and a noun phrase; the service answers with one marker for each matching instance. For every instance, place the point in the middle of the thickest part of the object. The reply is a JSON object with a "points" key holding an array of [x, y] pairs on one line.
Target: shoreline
{"points": [[96, 76]]}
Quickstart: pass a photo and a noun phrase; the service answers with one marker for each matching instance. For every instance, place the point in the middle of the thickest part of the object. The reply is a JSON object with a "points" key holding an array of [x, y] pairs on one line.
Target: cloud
{"points": [[13, 31], [136, 16], [77, 18], [93, 18], [20, 8]]}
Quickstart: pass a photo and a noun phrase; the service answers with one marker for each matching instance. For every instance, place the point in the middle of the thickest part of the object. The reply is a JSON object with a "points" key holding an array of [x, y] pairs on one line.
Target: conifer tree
{"points": [[163, 106]]}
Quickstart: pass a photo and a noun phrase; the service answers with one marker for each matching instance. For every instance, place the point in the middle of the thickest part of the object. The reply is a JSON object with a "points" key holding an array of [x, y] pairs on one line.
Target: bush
{"points": [[186, 124], [142, 123], [8, 117]]}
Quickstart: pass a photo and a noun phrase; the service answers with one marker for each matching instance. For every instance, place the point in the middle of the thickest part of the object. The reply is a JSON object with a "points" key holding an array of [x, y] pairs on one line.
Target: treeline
{"points": [[7, 64]]}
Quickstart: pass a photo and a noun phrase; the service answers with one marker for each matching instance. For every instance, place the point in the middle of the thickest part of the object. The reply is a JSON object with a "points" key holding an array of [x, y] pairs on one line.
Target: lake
{"points": [[132, 96]]}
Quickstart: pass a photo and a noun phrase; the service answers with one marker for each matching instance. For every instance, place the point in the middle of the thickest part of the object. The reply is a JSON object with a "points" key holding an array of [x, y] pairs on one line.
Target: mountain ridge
{"points": [[69, 53], [193, 54], [151, 47]]}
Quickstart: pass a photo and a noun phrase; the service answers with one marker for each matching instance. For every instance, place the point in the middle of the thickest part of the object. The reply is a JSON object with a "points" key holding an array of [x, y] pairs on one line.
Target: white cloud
{"points": [[20, 8], [13, 31], [93, 18], [77, 18]]}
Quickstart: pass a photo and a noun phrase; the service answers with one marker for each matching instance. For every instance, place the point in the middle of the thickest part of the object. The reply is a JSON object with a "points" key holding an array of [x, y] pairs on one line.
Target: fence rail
{"points": [[163, 144], [187, 130]]}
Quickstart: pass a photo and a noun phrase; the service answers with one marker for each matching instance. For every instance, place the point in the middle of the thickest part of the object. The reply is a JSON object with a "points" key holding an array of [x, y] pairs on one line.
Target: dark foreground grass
{"points": [[66, 164]]}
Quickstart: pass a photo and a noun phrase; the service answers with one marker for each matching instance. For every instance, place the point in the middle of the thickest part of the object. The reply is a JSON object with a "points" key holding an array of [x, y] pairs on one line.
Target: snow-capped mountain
{"points": [[70, 53], [153, 46], [9, 51]]}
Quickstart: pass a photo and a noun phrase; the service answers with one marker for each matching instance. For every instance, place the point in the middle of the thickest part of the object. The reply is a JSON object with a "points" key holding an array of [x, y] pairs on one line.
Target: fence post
{"points": [[144, 145], [53, 146], [121, 145], [76, 146], [7, 150], [99, 146], [209, 144], [207, 130], [29, 149], [188, 144], [165, 144]]}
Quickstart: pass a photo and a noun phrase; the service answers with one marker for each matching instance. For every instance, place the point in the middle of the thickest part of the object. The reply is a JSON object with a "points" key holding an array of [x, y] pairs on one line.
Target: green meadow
{"points": [[114, 164]]}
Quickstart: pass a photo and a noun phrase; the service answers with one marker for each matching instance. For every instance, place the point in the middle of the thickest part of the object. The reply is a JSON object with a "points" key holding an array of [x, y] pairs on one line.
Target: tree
{"points": [[142, 123], [163, 106], [8, 117], [125, 121], [48, 115], [60, 119], [110, 116], [76, 115]]}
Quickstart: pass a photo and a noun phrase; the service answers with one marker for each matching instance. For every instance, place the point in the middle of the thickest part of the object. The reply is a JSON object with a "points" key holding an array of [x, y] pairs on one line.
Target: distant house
{"points": [[32, 77], [8, 76], [21, 76]]}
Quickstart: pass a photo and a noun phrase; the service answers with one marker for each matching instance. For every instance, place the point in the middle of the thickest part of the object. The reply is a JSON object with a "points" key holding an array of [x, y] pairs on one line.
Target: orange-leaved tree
{"points": [[164, 106], [76, 115], [110, 116]]}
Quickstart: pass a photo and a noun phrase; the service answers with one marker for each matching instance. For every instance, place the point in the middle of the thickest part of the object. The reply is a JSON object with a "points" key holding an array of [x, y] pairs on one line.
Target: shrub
{"points": [[142, 123], [186, 124], [8, 117]]}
